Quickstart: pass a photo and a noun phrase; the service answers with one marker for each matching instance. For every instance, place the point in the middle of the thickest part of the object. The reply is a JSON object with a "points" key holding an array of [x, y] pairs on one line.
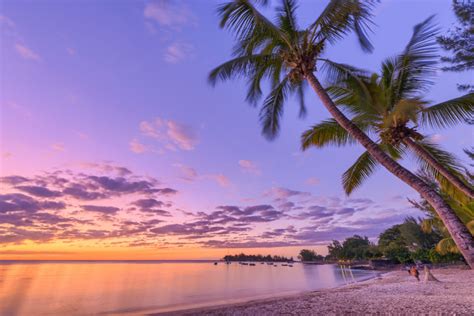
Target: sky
{"points": [[114, 145]]}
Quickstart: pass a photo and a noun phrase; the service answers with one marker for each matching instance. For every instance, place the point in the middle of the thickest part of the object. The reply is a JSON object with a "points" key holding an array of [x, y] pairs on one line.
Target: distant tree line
{"points": [[258, 258]]}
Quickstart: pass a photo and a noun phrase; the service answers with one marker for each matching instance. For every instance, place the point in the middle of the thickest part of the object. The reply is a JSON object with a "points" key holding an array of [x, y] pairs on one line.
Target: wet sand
{"points": [[393, 293]]}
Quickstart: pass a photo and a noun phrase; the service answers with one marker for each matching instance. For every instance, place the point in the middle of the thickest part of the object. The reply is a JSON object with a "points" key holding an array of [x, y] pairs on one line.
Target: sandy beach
{"points": [[393, 293]]}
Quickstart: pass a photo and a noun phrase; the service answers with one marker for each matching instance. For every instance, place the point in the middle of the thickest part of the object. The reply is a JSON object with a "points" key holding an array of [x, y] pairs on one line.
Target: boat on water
{"points": [[270, 263], [215, 263], [284, 265], [251, 264]]}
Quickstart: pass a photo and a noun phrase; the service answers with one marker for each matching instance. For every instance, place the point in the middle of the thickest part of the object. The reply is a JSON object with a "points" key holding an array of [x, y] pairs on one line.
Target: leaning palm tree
{"points": [[392, 107], [290, 56]]}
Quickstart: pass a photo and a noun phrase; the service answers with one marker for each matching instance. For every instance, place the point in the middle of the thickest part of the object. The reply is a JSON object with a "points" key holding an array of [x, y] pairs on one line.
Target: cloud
{"points": [[137, 147], [26, 52], [100, 209], [249, 167], [437, 138], [312, 181], [50, 206], [21, 110], [6, 21], [58, 147], [281, 194], [171, 14], [71, 51], [152, 206], [177, 52], [171, 134], [39, 191], [182, 135], [221, 179], [187, 173]]}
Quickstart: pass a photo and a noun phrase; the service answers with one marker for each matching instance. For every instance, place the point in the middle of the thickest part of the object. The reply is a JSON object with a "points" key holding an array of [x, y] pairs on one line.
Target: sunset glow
{"points": [[114, 146]]}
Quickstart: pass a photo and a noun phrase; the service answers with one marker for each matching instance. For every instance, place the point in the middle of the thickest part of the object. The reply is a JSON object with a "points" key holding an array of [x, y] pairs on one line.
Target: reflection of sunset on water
{"points": [[82, 288]]}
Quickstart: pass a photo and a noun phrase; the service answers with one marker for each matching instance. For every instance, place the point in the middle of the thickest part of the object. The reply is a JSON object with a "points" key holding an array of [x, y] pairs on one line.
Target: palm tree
{"points": [[391, 106], [433, 223], [289, 57]]}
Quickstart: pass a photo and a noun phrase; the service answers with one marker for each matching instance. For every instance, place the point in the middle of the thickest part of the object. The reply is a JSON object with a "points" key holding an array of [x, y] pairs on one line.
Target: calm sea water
{"points": [[85, 288]]}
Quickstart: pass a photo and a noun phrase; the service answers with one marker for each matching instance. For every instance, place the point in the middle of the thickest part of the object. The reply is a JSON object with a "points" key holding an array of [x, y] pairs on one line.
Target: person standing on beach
{"points": [[414, 272]]}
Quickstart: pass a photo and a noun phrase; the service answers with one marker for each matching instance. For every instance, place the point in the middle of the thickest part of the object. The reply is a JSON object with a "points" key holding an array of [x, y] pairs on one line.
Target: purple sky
{"points": [[91, 86]]}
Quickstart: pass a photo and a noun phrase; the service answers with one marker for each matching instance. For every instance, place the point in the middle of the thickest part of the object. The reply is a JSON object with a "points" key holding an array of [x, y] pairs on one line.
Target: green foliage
{"points": [[391, 105], [352, 248], [435, 257], [459, 41], [309, 255], [462, 207], [407, 242], [279, 52]]}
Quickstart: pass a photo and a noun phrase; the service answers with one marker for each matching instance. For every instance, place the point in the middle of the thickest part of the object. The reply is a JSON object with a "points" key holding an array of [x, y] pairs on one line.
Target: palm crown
{"points": [[390, 106], [282, 53]]}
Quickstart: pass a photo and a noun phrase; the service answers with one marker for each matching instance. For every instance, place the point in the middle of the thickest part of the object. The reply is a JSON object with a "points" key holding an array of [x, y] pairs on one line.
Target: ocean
{"points": [[141, 287]]}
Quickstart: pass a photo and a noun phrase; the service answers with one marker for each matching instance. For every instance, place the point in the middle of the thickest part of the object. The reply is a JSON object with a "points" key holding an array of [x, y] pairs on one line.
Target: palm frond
{"points": [[446, 245], [328, 132], [448, 113], [287, 18], [404, 111], [272, 109], [445, 158], [335, 73], [241, 67], [250, 27], [416, 65], [449, 162], [363, 168], [340, 17], [300, 90]]}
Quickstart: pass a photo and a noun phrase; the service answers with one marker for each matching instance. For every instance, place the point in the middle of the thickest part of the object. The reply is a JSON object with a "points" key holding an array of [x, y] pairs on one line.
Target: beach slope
{"points": [[395, 293]]}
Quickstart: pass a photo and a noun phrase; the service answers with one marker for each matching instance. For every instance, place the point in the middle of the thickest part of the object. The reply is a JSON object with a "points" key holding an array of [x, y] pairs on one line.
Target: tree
{"points": [[352, 248], [309, 255], [335, 250], [459, 41], [391, 106], [289, 58], [465, 211]]}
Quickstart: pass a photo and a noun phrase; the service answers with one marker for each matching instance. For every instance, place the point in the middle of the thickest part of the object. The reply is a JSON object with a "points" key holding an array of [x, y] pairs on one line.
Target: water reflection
{"points": [[86, 288]]}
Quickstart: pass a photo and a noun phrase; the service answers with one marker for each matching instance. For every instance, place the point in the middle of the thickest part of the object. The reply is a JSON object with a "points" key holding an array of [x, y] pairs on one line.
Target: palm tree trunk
{"points": [[459, 232], [435, 164]]}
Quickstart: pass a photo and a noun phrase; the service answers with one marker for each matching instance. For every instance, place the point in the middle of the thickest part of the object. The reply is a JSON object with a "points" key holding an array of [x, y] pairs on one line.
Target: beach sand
{"points": [[394, 293]]}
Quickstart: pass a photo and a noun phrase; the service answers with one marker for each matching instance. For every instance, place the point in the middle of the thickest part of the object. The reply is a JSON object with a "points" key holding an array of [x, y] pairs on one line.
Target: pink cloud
{"points": [[137, 147], [312, 181], [172, 14], [249, 167], [177, 52], [26, 52], [172, 134]]}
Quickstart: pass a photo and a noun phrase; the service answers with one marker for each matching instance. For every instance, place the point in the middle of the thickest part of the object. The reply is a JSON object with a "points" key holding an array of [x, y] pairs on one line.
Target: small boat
{"points": [[270, 263], [245, 263], [290, 265], [215, 263], [262, 262], [251, 264], [284, 265]]}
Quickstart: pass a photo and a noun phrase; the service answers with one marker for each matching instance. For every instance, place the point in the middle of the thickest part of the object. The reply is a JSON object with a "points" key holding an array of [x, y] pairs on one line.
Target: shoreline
{"points": [[390, 292], [204, 307]]}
